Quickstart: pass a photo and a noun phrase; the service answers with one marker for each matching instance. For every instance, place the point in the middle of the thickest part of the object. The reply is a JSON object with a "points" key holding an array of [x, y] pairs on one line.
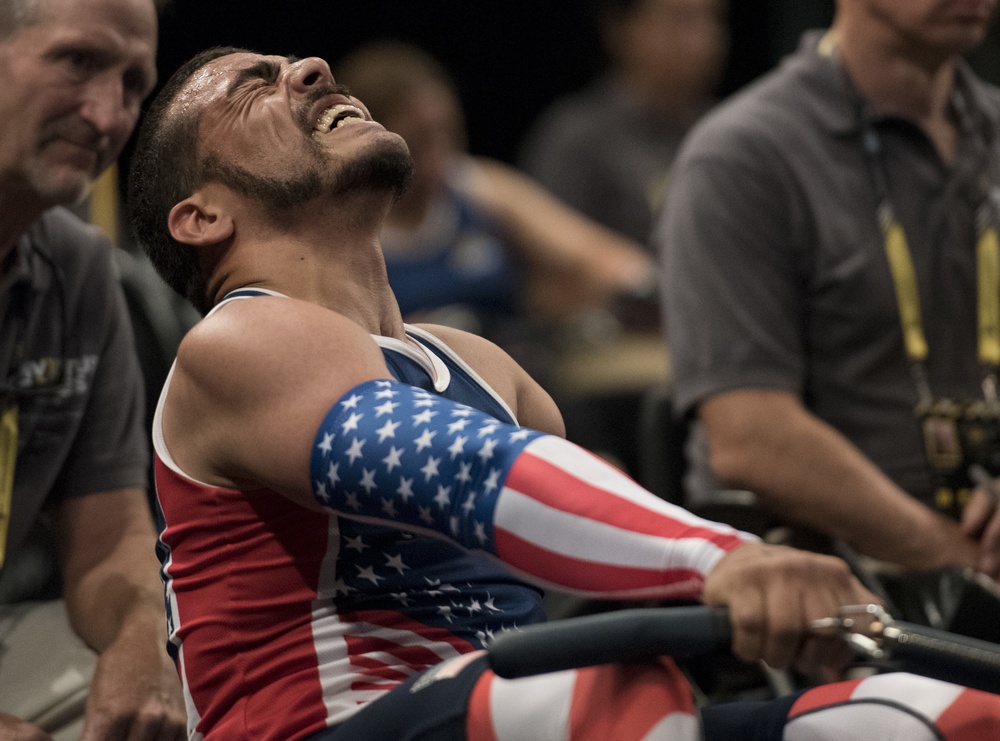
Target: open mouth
{"points": [[337, 116]]}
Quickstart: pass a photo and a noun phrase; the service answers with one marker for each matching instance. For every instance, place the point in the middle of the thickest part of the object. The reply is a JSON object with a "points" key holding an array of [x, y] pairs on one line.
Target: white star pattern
{"points": [[424, 417], [367, 480], [425, 439], [405, 489], [351, 423], [492, 481], [520, 435], [464, 473], [393, 460], [351, 403], [395, 562], [486, 452], [332, 475], [457, 447], [355, 450], [369, 574], [470, 503], [457, 426], [387, 430], [430, 469], [355, 543], [400, 461], [388, 408], [327, 445], [443, 498]]}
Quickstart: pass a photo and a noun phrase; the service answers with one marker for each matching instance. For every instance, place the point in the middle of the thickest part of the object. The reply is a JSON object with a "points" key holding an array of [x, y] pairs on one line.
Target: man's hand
{"points": [[774, 593], [15, 729], [981, 522], [135, 694]]}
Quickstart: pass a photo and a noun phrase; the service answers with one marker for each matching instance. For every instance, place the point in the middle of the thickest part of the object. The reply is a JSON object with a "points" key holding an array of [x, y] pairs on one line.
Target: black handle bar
{"points": [[610, 637], [684, 632], [937, 653]]}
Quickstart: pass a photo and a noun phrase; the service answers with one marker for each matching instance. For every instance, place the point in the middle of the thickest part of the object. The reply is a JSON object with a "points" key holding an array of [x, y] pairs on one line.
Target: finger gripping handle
{"points": [[614, 637]]}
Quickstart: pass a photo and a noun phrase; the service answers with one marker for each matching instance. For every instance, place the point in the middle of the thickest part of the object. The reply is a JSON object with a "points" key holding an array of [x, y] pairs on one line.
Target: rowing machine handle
{"points": [[613, 637]]}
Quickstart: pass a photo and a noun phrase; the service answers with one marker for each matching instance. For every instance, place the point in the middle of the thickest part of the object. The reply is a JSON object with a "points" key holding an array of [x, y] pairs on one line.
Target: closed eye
{"points": [[264, 70]]}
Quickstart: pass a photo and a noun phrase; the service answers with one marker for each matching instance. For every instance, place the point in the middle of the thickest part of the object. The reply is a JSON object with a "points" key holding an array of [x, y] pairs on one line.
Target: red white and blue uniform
{"points": [[285, 622]]}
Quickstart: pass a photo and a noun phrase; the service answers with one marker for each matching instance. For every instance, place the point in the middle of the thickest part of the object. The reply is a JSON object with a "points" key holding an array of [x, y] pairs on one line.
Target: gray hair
{"points": [[16, 15]]}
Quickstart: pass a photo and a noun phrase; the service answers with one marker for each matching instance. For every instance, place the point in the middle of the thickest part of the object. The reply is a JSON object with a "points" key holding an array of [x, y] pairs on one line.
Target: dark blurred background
{"points": [[509, 58]]}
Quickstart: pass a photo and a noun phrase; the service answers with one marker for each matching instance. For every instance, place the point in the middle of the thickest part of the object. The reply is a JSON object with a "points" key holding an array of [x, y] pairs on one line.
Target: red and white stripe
{"points": [[568, 519], [634, 703], [894, 707]]}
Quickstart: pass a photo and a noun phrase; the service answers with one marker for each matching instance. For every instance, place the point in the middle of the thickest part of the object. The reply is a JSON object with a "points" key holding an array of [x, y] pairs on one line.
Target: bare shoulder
{"points": [[274, 340], [252, 383], [530, 402]]}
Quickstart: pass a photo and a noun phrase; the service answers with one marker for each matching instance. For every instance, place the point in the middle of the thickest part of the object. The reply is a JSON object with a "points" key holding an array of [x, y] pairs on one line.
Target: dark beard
{"points": [[379, 168], [272, 193]]}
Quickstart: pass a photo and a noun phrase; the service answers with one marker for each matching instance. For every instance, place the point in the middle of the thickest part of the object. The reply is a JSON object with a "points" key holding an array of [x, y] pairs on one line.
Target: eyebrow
{"points": [[260, 70]]}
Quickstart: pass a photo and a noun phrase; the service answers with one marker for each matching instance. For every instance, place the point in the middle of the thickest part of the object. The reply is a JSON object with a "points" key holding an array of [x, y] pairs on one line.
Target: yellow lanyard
{"points": [[8, 456], [904, 277], [897, 252]]}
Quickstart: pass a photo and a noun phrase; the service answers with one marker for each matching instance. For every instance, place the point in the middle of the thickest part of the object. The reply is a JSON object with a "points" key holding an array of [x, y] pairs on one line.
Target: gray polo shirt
{"points": [[80, 403], [775, 270]]}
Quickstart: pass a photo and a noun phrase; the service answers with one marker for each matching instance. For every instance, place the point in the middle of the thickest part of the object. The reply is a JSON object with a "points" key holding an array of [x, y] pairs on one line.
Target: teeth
{"points": [[336, 116]]}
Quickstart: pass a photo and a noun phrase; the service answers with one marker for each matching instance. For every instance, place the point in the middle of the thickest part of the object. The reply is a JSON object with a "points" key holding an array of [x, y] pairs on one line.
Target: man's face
{"points": [[283, 132], [72, 86], [947, 26], [678, 47]]}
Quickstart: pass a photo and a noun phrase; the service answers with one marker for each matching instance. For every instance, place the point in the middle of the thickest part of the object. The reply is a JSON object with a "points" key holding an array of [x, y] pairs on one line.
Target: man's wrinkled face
{"points": [[73, 83], [281, 130]]}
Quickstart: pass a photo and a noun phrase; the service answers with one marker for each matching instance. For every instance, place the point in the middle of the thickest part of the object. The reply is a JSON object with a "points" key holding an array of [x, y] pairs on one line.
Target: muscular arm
{"points": [[562, 247], [115, 603], [766, 441], [286, 395]]}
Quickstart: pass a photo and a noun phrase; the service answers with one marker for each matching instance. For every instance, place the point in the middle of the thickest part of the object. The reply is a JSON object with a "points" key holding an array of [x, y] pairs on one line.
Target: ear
{"points": [[199, 221]]}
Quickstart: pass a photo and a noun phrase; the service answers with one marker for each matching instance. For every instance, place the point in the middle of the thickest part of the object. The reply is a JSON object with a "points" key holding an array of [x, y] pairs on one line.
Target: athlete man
{"points": [[353, 506]]}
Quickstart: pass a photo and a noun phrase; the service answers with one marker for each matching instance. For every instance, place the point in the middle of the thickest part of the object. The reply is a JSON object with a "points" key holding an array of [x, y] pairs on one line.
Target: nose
{"points": [[308, 73], [105, 106]]}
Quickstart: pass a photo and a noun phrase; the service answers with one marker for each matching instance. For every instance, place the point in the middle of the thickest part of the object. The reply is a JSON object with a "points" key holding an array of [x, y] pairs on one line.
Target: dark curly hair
{"points": [[164, 170]]}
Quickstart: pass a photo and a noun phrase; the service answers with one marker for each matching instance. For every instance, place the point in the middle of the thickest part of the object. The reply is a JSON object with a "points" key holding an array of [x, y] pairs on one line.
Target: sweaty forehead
{"points": [[212, 81]]}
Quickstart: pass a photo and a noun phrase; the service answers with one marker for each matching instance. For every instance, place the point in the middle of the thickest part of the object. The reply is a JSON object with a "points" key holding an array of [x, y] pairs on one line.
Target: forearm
{"points": [[112, 586], [556, 240], [549, 510], [807, 471]]}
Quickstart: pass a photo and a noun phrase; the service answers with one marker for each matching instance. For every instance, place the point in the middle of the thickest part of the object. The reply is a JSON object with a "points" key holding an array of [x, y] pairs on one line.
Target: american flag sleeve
{"points": [[396, 455]]}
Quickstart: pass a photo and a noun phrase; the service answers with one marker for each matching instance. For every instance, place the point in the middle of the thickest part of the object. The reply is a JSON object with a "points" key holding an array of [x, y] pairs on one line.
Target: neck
{"points": [[410, 210], [895, 75], [334, 261]]}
